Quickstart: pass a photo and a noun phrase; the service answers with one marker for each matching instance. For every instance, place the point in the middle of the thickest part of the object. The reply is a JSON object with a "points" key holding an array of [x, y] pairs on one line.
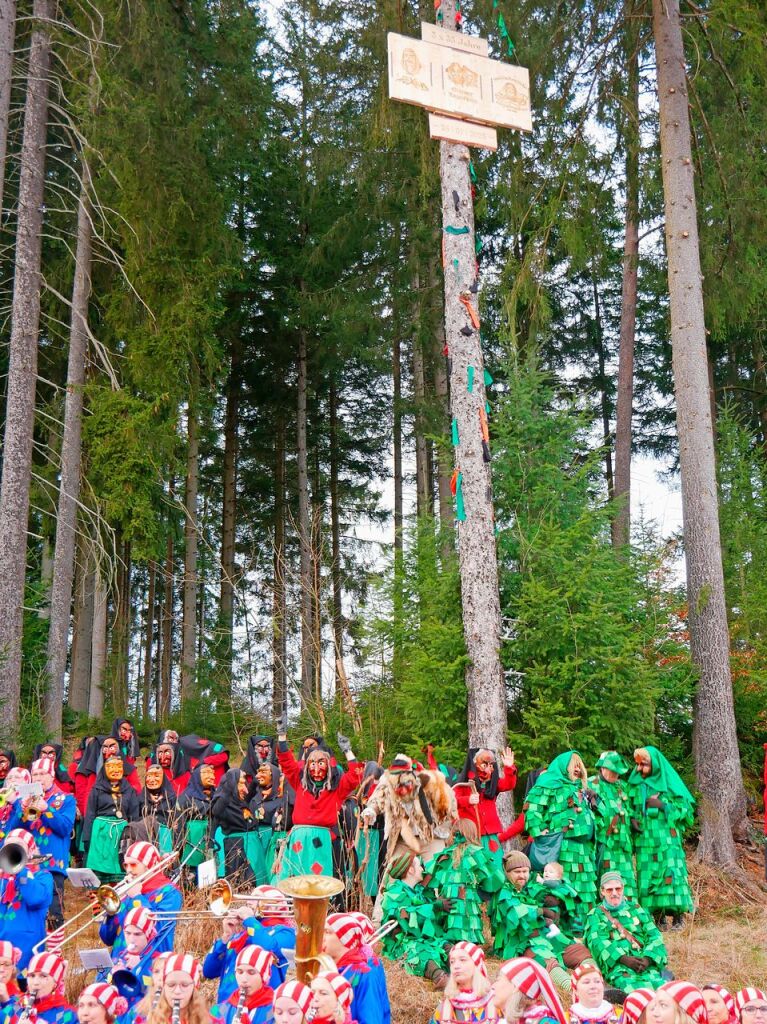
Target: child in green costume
{"points": [[662, 808], [558, 900], [613, 819], [559, 803], [418, 940]]}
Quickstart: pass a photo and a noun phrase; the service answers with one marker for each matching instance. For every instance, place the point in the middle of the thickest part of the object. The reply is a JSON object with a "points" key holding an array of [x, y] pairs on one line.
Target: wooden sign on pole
{"points": [[468, 132], [465, 85]]}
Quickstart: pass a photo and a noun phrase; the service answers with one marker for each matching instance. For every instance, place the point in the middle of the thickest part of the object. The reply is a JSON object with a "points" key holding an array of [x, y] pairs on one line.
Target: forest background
{"points": [[241, 253]]}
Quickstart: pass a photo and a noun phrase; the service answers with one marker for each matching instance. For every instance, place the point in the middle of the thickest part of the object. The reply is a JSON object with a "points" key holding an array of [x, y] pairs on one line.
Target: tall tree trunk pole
{"points": [[715, 744], [98, 648], [71, 457], [478, 563], [279, 605], [166, 657], [304, 526], [624, 406], [189, 620], [146, 685], [599, 341], [441, 389], [7, 34], [22, 369], [335, 533]]}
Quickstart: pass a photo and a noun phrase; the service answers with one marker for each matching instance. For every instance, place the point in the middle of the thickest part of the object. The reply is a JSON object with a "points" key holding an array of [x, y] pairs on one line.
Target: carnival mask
{"points": [[484, 762], [242, 787], [126, 732], [264, 776], [207, 777], [48, 752], [170, 736], [154, 777], [309, 744], [165, 756], [5, 765], [114, 769], [643, 761], [263, 749], [318, 766], [404, 785], [109, 748]]}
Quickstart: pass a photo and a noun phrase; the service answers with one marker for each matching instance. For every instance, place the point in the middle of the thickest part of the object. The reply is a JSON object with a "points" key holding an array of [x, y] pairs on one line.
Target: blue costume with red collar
{"points": [[158, 893]]}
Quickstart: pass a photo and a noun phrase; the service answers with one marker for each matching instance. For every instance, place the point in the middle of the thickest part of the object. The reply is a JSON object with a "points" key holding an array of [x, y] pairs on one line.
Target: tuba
{"points": [[311, 895]]}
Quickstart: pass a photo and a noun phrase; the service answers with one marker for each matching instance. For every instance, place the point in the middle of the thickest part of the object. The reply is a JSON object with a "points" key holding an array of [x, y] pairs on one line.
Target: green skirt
{"points": [[104, 848], [308, 851], [195, 847], [369, 845], [253, 851]]}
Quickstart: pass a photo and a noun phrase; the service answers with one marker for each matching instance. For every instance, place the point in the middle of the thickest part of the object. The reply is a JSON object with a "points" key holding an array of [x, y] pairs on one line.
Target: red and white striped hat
{"points": [[727, 998], [255, 956], [21, 837], [474, 952], [18, 776], [44, 764], [297, 992], [50, 964], [367, 926], [587, 967], [139, 917], [346, 930], [636, 1003], [279, 905], [108, 996], [342, 988], [688, 998], [9, 952], [744, 997], [533, 980], [185, 963], [143, 853]]}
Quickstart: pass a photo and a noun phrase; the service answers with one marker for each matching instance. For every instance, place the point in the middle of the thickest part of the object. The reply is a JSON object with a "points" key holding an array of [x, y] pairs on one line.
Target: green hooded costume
{"points": [[660, 862], [557, 803], [613, 933], [419, 937], [465, 874], [613, 822]]}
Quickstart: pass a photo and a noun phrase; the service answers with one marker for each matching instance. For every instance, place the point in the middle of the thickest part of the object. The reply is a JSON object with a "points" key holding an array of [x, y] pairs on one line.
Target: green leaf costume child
{"points": [[463, 874], [557, 804], [613, 820], [662, 808], [418, 941]]}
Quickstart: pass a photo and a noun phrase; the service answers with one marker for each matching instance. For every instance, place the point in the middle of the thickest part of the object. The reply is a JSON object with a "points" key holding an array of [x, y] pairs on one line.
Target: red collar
{"points": [[263, 997], [352, 958], [52, 1002], [156, 882]]}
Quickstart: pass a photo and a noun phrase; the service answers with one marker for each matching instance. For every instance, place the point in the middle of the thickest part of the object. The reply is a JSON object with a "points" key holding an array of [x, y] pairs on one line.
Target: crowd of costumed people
{"points": [[573, 918]]}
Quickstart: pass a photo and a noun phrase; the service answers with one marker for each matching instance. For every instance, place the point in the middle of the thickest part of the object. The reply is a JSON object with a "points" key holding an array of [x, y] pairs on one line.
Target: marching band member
{"points": [[100, 1004], [636, 1004], [140, 951], [590, 1005], [25, 897], [45, 993], [237, 931], [151, 997], [292, 1003], [156, 893], [9, 816], [180, 999], [49, 820], [9, 958], [251, 1001], [274, 928], [468, 995], [55, 752], [524, 994], [343, 943], [331, 998]]}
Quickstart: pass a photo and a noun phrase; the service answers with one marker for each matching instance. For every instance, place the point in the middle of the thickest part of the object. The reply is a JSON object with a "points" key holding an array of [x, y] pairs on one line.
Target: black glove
{"points": [[634, 963], [636, 825], [592, 798], [282, 723], [654, 801], [447, 905], [344, 743]]}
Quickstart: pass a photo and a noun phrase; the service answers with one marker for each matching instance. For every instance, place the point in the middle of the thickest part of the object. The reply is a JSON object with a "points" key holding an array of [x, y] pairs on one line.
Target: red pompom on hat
{"points": [[636, 1003], [342, 988], [143, 853], [475, 953], [139, 917], [9, 952], [21, 837], [297, 992], [184, 963], [688, 998], [744, 997], [108, 996], [346, 929], [255, 956], [50, 964], [533, 980]]}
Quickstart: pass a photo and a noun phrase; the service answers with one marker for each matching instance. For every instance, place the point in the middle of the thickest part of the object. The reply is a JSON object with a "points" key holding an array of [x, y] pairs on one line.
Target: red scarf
{"points": [[262, 997], [155, 882], [353, 958]]}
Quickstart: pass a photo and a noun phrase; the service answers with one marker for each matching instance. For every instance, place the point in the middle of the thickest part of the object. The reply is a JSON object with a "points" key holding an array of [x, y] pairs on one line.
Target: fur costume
{"points": [[427, 813]]}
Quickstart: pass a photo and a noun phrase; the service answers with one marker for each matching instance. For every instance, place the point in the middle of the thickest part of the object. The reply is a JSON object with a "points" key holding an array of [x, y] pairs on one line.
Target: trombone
{"points": [[219, 900], [108, 897]]}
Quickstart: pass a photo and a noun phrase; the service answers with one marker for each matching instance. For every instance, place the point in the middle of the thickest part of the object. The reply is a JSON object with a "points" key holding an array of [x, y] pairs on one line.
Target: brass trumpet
{"points": [[220, 898]]}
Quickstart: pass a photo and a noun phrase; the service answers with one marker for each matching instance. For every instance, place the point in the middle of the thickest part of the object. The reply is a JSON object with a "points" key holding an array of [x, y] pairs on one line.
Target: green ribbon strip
{"points": [[460, 509], [503, 31], [478, 245], [454, 429], [470, 379], [488, 379], [472, 171], [450, 230]]}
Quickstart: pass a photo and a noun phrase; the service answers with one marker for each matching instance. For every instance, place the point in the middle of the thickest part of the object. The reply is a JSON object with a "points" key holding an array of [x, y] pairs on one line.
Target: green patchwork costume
{"points": [[419, 937], [609, 940], [661, 866], [465, 874], [560, 901], [519, 925], [557, 803], [613, 822]]}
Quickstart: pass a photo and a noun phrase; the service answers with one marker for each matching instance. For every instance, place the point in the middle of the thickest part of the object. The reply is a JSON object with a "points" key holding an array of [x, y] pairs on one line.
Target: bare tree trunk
{"points": [[22, 370], [7, 33], [229, 516], [279, 606], [397, 440], [442, 391], [189, 626], [304, 527], [476, 532], [317, 549], [605, 405], [166, 662], [46, 577], [71, 457], [98, 648], [335, 535], [715, 743], [82, 633], [424, 497], [149, 626]]}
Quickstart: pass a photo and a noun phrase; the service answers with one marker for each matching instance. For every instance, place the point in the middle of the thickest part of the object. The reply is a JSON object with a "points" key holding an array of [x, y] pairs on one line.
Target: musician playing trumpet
{"points": [[156, 893], [26, 891], [251, 1001]]}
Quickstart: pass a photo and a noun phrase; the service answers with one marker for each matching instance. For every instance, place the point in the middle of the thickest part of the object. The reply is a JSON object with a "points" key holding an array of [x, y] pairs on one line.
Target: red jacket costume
{"points": [[320, 810], [484, 813]]}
